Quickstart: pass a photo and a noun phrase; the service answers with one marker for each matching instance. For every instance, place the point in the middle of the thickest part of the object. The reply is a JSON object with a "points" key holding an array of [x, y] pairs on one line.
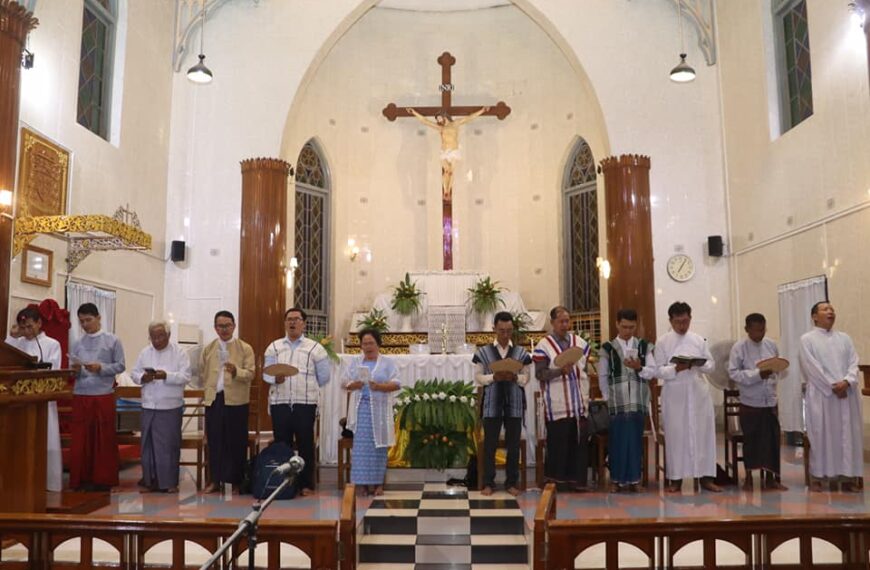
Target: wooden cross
{"points": [[500, 110]]}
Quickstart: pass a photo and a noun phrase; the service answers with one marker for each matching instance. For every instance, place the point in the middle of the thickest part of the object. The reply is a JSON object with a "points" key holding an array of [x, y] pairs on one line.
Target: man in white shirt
{"points": [[829, 364], [293, 400], [687, 408], [758, 414], [163, 370], [36, 343]]}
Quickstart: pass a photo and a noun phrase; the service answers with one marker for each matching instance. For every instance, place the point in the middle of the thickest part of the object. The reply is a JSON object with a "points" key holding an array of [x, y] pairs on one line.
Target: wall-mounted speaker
{"points": [[715, 247], [176, 252]]}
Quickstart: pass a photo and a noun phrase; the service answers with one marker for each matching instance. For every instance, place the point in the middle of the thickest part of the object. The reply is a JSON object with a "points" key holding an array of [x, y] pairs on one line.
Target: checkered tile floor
{"points": [[434, 527]]}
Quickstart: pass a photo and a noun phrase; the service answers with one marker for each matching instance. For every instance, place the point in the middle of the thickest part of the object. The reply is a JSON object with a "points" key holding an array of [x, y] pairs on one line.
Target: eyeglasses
{"points": [[294, 319], [226, 326]]}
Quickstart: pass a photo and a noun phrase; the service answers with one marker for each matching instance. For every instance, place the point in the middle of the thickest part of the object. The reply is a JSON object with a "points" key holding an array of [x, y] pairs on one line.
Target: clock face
{"points": [[681, 267]]}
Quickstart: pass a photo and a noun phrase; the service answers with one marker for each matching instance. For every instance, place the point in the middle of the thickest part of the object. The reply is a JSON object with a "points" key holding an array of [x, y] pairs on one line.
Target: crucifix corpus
{"points": [[447, 124]]}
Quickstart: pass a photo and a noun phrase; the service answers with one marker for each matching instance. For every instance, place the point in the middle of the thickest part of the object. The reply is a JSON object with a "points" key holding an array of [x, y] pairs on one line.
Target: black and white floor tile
{"points": [[435, 527]]}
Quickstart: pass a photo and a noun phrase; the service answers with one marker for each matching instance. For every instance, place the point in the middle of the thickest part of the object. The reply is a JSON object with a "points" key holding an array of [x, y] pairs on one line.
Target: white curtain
{"points": [[795, 301], [104, 299]]}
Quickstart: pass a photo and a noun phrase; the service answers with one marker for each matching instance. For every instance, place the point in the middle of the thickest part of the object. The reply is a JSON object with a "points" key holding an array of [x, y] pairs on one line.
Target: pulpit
{"points": [[25, 392]]}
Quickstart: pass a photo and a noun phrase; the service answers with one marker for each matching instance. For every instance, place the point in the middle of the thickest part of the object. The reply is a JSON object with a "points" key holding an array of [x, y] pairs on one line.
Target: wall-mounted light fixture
{"points": [[27, 59], [5, 204]]}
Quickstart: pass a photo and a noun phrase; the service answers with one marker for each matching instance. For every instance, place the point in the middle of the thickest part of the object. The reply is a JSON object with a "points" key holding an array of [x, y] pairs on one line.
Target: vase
{"points": [[406, 323]]}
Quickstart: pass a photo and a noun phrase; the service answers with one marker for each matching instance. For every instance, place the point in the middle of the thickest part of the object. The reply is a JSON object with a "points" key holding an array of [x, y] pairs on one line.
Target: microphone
{"points": [[41, 365], [292, 467]]}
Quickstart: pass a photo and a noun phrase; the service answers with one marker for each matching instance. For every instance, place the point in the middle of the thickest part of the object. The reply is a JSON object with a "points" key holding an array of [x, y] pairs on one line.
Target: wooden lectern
{"points": [[24, 395]]}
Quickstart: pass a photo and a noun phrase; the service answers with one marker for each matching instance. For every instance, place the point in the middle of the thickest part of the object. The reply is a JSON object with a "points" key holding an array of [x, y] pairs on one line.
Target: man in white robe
{"points": [[829, 364], [36, 343], [687, 408]]}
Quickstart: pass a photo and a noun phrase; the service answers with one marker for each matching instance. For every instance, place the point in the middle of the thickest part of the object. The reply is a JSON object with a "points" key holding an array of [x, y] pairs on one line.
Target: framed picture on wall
{"points": [[36, 266]]}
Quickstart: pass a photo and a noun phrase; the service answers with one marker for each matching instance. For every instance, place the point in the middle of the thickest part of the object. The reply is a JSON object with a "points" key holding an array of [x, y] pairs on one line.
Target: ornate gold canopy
{"points": [[85, 233]]}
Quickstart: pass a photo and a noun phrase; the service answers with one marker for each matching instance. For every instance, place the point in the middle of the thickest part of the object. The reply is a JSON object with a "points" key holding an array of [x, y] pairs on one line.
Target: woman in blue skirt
{"points": [[370, 379]]}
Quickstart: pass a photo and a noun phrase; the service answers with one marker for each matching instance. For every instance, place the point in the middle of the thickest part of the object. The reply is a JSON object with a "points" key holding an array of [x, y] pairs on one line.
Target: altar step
{"points": [[439, 527]]}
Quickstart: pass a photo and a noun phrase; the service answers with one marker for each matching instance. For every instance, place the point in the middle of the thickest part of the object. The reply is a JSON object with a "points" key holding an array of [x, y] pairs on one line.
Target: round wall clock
{"points": [[681, 267]]}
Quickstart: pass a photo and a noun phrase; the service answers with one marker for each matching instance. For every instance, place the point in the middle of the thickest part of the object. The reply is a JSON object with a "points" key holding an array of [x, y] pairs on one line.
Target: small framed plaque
{"points": [[37, 266]]}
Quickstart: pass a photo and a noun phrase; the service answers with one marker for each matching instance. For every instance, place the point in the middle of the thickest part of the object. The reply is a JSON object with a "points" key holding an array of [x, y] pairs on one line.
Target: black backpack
{"points": [[264, 482]]}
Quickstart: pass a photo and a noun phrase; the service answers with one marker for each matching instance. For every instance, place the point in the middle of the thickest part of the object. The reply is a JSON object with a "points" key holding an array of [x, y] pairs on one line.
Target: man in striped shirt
{"points": [[565, 413]]}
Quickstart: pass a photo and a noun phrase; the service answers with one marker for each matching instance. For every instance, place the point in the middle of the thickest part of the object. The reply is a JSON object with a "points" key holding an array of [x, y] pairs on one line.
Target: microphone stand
{"points": [[248, 525]]}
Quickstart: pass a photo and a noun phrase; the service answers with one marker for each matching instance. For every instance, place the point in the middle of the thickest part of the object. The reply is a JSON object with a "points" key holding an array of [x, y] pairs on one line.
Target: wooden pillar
{"points": [[262, 281], [15, 24], [629, 240]]}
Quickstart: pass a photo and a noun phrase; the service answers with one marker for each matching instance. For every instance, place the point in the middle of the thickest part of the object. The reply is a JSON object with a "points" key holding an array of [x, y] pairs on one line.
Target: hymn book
{"points": [[692, 361], [569, 356]]}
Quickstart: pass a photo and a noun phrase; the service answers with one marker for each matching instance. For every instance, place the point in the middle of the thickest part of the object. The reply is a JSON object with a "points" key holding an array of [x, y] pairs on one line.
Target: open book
{"points": [[692, 361], [774, 364]]}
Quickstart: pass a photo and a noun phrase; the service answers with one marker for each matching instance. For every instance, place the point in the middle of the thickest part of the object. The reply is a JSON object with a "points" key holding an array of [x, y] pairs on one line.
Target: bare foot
{"points": [[776, 486], [171, 490], [674, 486], [614, 488], [306, 492], [634, 488], [379, 490], [747, 485], [513, 491], [849, 487], [211, 488], [710, 486], [816, 486], [486, 491]]}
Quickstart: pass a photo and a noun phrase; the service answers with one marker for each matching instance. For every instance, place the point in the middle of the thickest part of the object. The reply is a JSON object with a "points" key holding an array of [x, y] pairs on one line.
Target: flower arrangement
{"points": [[407, 298], [440, 417], [375, 319], [328, 344], [485, 296], [522, 322], [592, 358]]}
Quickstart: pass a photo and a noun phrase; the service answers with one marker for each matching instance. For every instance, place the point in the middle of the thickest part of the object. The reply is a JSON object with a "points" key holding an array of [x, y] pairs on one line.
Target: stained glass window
{"points": [[95, 66], [311, 283], [793, 40], [581, 230]]}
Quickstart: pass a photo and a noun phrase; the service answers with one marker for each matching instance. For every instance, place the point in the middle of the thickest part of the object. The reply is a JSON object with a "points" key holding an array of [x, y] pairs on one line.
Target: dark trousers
{"points": [[226, 430], [294, 425], [761, 435], [491, 432], [567, 451]]}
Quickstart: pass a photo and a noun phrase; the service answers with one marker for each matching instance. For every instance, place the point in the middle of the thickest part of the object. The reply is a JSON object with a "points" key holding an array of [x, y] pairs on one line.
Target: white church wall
{"points": [[262, 52], [798, 201], [131, 170]]}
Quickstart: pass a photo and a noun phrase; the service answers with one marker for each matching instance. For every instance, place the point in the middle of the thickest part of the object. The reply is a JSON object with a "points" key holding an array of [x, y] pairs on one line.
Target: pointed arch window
{"points": [[96, 63], [580, 207], [311, 285]]}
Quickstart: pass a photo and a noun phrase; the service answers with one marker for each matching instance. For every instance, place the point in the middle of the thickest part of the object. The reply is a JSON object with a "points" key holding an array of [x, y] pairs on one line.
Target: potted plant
{"points": [[375, 319], [521, 321], [407, 301], [485, 298]]}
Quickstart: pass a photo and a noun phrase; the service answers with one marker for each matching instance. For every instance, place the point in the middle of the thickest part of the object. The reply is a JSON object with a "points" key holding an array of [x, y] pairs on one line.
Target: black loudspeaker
{"points": [[176, 253], [714, 246]]}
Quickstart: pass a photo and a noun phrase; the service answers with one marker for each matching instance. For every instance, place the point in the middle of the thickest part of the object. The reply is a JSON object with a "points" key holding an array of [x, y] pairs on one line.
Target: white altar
{"points": [[412, 367], [447, 288]]}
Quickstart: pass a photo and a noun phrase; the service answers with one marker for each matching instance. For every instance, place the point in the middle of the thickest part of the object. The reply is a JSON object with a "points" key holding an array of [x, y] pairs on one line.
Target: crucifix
{"points": [[448, 127]]}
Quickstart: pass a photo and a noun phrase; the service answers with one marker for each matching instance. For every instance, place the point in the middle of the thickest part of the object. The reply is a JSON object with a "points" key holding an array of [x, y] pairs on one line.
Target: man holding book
{"points": [[625, 366], [753, 366], [502, 369], [687, 408]]}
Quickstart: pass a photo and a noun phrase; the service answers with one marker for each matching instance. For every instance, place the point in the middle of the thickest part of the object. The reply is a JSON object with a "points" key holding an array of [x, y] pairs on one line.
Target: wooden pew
{"points": [[329, 544], [557, 543]]}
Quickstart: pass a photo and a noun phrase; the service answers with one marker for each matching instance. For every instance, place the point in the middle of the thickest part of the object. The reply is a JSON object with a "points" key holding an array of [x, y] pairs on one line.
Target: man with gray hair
{"points": [[162, 369]]}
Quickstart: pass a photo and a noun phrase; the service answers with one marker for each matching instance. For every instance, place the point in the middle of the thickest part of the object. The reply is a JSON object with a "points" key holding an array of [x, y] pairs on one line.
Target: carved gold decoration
{"points": [[85, 233], [27, 386], [43, 177], [399, 343]]}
